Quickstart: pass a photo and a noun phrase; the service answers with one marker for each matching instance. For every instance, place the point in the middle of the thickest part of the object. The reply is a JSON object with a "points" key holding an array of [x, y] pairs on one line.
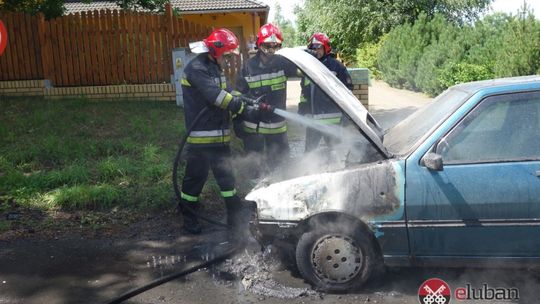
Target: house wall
{"points": [[249, 23]]}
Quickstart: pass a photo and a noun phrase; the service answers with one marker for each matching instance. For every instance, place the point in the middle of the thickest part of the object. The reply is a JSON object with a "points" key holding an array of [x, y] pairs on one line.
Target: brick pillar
{"points": [[360, 79]]}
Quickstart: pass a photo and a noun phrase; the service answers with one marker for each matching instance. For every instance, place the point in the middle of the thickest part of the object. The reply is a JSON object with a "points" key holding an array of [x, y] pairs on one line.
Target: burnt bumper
{"points": [[266, 232]]}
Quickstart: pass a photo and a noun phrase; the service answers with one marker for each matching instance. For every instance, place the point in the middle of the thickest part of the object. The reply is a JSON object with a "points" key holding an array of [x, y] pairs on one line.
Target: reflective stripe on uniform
{"points": [[189, 198], [327, 118], [209, 137], [241, 109], [265, 128], [209, 140], [223, 99], [228, 193], [221, 82], [185, 82], [272, 79], [279, 86], [327, 115], [330, 121]]}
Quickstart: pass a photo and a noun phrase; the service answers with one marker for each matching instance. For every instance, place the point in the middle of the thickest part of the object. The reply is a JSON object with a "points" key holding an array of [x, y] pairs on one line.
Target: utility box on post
{"points": [[181, 57]]}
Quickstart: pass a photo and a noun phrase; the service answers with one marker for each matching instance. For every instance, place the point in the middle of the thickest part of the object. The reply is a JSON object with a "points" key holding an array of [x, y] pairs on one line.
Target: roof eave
{"points": [[241, 10]]}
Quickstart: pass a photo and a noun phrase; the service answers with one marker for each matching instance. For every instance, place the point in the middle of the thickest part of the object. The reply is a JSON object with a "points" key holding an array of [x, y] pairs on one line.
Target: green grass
{"points": [[85, 155]]}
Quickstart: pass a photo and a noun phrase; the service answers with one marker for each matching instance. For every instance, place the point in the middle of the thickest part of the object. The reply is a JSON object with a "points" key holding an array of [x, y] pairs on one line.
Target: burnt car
{"points": [[456, 183]]}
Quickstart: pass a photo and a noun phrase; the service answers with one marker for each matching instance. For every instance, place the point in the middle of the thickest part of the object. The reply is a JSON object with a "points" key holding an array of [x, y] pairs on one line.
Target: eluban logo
{"points": [[434, 291], [3, 37], [486, 293]]}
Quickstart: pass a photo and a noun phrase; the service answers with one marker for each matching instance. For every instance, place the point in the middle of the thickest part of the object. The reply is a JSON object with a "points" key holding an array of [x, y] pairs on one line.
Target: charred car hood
{"points": [[338, 92], [366, 191]]}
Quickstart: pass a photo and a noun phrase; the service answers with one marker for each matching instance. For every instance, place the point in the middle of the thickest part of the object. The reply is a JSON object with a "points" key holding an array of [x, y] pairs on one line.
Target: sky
{"points": [[506, 6]]}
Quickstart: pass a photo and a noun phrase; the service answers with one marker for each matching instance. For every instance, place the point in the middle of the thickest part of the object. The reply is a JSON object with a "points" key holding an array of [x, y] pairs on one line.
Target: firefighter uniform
{"points": [[316, 104], [269, 132], [204, 85]]}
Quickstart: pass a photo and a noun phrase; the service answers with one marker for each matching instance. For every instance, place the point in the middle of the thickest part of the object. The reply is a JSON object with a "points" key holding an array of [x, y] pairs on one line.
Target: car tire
{"points": [[335, 259]]}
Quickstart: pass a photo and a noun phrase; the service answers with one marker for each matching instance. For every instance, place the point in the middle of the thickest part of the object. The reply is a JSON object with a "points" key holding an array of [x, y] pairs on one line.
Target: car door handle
{"points": [[538, 173]]}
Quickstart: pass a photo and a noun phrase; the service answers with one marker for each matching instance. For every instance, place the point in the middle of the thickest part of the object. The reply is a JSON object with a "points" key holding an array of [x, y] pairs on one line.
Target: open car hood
{"points": [[338, 92]]}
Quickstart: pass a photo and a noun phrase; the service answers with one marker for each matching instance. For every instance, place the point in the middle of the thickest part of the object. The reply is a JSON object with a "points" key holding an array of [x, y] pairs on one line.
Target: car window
{"points": [[500, 128], [401, 138]]}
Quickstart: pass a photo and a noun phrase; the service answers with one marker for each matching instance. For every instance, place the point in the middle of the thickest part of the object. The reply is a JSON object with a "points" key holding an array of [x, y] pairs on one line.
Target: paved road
{"points": [[387, 104], [390, 105], [75, 269]]}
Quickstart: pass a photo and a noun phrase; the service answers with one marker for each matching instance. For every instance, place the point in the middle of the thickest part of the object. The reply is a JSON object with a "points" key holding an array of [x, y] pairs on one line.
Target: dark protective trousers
{"points": [[274, 146], [199, 161], [313, 138]]}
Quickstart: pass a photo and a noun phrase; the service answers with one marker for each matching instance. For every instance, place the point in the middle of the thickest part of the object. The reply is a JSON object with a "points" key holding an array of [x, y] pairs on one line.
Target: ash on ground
{"points": [[255, 272]]}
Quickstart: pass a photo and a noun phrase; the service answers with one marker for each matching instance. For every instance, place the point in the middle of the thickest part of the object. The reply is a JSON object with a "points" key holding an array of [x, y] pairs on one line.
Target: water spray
{"points": [[329, 130]]}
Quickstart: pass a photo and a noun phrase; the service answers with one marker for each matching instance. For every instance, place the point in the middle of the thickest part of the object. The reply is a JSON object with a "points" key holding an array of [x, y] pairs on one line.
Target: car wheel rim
{"points": [[336, 259]]}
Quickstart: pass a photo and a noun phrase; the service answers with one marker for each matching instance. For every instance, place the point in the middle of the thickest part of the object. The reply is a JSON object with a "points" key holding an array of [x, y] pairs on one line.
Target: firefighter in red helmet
{"points": [[313, 101], [266, 75], [204, 85]]}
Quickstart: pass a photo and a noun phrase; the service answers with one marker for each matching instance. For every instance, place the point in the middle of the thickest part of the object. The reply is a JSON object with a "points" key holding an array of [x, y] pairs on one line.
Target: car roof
{"points": [[473, 87]]}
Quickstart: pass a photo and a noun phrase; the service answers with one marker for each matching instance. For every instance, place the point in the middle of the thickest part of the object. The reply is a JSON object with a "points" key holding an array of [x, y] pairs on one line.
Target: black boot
{"points": [[238, 214], [191, 223]]}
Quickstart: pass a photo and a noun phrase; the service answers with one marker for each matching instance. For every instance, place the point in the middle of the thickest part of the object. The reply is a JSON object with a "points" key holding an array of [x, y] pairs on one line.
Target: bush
{"points": [[367, 57], [431, 55], [445, 45], [520, 48], [401, 51], [455, 73]]}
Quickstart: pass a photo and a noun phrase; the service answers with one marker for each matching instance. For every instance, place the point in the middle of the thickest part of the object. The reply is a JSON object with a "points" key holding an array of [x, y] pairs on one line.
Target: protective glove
{"points": [[264, 107], [303, 108], [236, 105], [251, 114]]}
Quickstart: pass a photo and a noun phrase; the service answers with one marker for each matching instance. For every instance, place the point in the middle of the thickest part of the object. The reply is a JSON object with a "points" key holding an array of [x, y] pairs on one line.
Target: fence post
{"points": [[169, 41], [169, 21], [44, 43]]}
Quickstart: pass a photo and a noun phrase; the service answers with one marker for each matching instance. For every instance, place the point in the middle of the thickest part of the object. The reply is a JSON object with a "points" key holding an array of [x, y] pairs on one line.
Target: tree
{"points": [[50, 8], [520, 47], [287, 29], [349, 23], [55, 8], [152, 5]]}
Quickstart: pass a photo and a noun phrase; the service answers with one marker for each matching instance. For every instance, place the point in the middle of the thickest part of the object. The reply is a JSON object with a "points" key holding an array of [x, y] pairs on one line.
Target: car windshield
{"points": [[401, 138]]}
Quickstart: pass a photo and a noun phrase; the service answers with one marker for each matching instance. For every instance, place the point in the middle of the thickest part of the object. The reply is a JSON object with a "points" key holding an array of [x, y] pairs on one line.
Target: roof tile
{"points": [[181, 5]]}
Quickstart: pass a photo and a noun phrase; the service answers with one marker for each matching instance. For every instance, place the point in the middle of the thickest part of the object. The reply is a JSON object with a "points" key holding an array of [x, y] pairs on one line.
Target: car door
{"points": [[486, 199]]}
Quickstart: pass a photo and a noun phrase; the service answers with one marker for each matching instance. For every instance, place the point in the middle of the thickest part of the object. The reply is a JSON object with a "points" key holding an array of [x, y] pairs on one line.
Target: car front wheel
{"points": [[334, 260]]}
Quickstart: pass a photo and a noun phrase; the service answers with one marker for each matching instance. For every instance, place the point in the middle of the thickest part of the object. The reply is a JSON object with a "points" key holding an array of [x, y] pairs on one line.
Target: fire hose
{"points": [[235, 246], [191, 269]]}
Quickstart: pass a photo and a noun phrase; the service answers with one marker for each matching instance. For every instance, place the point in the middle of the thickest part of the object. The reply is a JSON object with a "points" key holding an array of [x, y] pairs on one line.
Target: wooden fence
{"points": [[95, 48]]}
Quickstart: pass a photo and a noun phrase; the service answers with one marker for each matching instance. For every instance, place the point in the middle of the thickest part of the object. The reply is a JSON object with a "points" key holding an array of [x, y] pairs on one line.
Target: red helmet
{"points": [[3, 37], [221, 41], [320, 39], [269, 33]]}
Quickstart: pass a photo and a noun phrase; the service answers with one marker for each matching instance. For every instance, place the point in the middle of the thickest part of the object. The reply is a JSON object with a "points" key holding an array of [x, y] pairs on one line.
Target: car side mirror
{"points": [[433, 161]]}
